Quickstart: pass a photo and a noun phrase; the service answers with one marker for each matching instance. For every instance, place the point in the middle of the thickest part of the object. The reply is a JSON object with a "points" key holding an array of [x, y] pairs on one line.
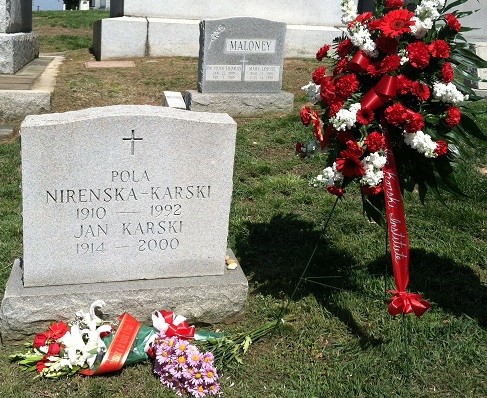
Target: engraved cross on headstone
{"points": [[132, 140], [243, 61]]}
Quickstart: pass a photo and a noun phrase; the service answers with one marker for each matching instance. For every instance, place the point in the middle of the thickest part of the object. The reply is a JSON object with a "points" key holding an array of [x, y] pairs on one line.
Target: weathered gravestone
{"points": [[18, 44], [240, 67], [128, 204]]}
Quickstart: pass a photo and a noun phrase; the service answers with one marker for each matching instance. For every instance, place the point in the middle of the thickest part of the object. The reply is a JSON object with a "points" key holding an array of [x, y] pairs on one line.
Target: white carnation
{"points": [[447, 93], [376, 160], [372, 177], [421, 142], [345, 118], [330, 176], [313, 91]]}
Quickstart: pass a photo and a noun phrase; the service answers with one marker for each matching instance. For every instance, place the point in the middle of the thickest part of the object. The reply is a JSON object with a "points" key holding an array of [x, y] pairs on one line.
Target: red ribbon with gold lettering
{"points": [[120, 347], [402, 301]]}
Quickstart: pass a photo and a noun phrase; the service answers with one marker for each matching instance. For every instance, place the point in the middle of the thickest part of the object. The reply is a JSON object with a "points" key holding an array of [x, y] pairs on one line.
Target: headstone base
{"points": [[479, 87], [204, 299], [239, 104], [16, 102], [17, 50]]}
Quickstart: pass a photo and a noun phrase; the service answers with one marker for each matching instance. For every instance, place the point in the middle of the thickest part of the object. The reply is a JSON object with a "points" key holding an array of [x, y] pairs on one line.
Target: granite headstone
{"points": [[128, 204], [125, 195], [241, 55]]}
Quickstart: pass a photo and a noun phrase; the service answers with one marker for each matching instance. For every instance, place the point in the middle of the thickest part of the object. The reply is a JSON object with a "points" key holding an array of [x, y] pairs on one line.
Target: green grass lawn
{"points": [[340, 340]]}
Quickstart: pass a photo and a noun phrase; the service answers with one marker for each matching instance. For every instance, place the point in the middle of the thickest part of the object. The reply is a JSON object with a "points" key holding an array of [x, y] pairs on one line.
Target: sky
{"points": [[46, 5]]}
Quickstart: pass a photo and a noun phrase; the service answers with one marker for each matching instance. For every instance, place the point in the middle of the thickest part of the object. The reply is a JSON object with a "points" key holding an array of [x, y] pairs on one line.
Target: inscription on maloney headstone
{"points": [[241, 55], [124, 193]]}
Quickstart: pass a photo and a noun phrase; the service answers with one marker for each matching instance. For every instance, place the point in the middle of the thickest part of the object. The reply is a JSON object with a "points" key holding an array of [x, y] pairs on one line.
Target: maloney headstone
{"points": [[128, 204], [240, 67], [241, 55]]}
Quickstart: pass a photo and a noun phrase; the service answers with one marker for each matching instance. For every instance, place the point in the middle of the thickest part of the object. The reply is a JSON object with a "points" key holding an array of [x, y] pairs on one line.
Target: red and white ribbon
{"points": [[172, 325], [402, 301]]}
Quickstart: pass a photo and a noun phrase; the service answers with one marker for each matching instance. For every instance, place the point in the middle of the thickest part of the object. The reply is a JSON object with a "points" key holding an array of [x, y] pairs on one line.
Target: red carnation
{"points": [[318, 74], [373, 70], [390, 63], [365, 116], [404, 85], [441, 148], [375, 141], [305, 115], [57, 330], [335, 107], [394, 4], [340, 67], [336, 190], [418, 54], [396, 114], [40, 340], [453, 116], [350, 167], [415, 122], [327, 90], [452, 22], [439, 49], [322, 52], [387, 45], [370, 191], [354, 150], [395, 23], [421, 91], [54, 349], [346, 85], [447, 73], [344, 48]]}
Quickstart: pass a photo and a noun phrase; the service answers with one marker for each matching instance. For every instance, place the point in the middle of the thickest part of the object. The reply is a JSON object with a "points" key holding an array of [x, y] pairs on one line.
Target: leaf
{"points": [[446, 173], [246, 344], [372, 212], [462, 14], [454, 4], [422, 190], [469, 125], [468, 57]]}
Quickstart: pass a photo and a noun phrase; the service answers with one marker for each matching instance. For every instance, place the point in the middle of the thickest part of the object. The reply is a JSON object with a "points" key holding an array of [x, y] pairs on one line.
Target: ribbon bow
{"points": [[359, 62], [172, 325], [404, 302], [384, 91]]}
